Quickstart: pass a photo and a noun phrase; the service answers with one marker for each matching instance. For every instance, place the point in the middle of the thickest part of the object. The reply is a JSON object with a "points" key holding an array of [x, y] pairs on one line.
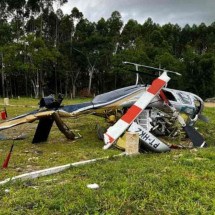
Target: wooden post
{"points": [[6, 101], [132, 143]]}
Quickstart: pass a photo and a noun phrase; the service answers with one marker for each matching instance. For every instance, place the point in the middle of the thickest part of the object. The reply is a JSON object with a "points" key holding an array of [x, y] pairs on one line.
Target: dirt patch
{"points": [[209, 104]]}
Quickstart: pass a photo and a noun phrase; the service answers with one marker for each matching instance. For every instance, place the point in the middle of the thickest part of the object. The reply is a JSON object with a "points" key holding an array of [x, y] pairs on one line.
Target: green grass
{"points": [[178, 182]]}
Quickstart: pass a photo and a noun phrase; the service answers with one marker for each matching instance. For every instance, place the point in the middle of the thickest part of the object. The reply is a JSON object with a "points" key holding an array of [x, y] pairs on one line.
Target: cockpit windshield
{"points": [[198, 105], [185, 98]]}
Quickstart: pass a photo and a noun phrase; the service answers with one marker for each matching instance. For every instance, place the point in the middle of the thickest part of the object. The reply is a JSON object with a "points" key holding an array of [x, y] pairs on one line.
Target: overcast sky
{"points": [[161, 11]]}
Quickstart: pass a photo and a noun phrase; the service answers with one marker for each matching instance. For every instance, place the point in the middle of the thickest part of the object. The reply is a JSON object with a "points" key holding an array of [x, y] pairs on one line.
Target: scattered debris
{"points": [[93, 186], [33, 159], [26, 151], [20, 137], [38, 152], [35, 187], [18, 169], [6, 190], [194, 150], [2, 137]]}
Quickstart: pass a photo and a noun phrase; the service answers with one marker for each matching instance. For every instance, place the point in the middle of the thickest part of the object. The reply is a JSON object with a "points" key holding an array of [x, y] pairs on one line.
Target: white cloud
{"points": [[161, 11]]}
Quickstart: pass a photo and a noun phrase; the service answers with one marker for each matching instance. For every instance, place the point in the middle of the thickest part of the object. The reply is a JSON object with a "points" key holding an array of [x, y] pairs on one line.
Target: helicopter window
{"points": [[169, 96], [185, 98], [197, 104]]}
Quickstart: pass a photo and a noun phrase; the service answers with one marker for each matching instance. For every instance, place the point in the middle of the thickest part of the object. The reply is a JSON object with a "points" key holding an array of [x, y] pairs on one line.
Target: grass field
{"points": [[177, 182]]}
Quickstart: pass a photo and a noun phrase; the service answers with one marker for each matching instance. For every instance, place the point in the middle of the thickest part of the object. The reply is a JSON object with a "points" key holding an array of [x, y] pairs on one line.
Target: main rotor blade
{"points": [[203, 118], [115, 131], [150, 67], [195, 136], [142, 72]]}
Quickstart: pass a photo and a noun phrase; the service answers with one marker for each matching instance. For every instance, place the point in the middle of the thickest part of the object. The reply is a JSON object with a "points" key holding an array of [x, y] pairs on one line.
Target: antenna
{"points": [[137, 74]]}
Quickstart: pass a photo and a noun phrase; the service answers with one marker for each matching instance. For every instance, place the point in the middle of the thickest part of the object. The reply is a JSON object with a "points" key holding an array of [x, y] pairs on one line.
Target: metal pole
{"points": [[2, 75]]}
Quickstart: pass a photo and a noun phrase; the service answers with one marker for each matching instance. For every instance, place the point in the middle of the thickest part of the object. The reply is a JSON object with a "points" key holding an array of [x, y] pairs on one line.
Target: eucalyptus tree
{"points": [[211, 38], [34, 17], [85, 43], [3, 12], [12, 65], [6, 35], [36, 59], [69, 61], [97, 43], [130, 33], [115, 25], [171, 34]]}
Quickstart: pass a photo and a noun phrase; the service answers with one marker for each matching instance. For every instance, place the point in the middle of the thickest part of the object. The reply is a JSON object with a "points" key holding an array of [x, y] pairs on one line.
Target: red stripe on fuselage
{"points": [[131, 114], [156, 86]]}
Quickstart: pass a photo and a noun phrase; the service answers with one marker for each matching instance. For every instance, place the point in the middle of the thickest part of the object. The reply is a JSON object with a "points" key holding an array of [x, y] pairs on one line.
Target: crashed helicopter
{"points": [[150, 110]]}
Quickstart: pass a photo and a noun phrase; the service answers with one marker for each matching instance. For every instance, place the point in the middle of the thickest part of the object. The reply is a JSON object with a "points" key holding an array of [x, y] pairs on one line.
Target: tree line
{"points": [[44, 51]]}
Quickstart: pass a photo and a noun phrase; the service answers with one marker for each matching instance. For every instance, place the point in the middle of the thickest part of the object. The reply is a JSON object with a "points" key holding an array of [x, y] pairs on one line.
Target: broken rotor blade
{"points": [[196, 138], [203, 118], [115, 131], [43, 130]]}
